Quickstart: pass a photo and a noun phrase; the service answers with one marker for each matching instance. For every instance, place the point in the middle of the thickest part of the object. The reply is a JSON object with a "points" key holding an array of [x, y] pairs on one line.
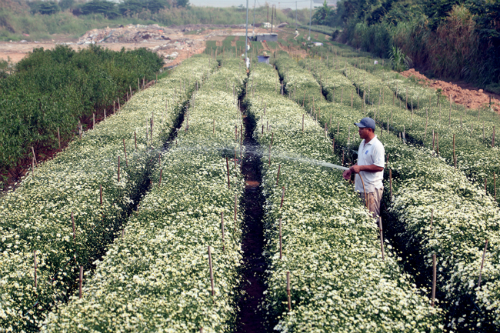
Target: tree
{"points": [[183, 3], [322, 15]]}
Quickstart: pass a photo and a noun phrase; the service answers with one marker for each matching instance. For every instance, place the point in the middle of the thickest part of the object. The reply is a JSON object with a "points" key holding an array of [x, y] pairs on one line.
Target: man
{"points": [[370, 167]]}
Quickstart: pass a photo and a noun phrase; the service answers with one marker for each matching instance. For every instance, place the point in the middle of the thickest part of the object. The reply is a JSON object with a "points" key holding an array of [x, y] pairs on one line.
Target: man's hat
{"points": [[366, 122]]}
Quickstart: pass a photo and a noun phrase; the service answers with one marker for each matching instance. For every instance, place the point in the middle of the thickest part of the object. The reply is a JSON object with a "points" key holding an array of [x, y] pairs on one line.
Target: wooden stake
{"points": [[135, 140], [161, 173], [495, 185], [93, 120], [454, 154], [125, 152], [269, 154], [74, 227], [235, 206], [381, 236], [333, 145], [282, 196], [35, 265], [278, 176], [390, 181], [433, 279], [34, 155], [118, 168], [227, 166], [80, 282], [482, 264], [288, 291], [493, 138], [211, 270], [222, 229], [280, 236]]}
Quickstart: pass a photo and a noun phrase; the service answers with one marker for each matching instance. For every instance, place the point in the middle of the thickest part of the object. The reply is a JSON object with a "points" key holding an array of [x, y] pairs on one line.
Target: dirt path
{"points": [[462, 93], [250, 318]]}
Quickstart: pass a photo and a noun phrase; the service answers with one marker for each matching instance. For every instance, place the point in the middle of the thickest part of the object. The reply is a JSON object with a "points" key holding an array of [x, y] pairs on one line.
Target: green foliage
{"points": [[400, 61], [107, 8], [53, 89], [44, 7]]}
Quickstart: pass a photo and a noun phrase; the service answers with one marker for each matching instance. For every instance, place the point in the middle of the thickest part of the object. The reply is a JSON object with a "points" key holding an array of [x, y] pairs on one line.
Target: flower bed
{"points": [[37, 215], [339, 281], [463, 217], [156, 278]]}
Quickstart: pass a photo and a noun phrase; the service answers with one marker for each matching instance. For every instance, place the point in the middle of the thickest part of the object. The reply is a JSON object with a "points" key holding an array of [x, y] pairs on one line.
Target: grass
{"points": [[14, 24]]}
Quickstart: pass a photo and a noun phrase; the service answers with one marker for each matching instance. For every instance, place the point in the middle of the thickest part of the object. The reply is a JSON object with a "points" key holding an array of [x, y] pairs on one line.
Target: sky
{"points": [[236, 3]]}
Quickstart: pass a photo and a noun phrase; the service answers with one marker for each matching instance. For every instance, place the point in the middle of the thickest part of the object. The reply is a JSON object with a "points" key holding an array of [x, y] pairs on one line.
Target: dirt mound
{"points": [[470, 97]]}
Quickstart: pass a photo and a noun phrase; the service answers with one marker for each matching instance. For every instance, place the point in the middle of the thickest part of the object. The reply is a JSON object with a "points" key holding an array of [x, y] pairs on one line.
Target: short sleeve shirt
{"points": [[368, 154]]}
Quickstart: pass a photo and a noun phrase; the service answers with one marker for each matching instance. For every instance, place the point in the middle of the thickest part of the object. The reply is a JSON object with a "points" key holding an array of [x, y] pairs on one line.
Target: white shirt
{"points": [[371, 153]]}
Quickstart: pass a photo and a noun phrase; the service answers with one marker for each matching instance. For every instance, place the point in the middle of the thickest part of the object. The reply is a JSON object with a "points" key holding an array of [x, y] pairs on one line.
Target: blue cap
{"points": [[366, 122]]}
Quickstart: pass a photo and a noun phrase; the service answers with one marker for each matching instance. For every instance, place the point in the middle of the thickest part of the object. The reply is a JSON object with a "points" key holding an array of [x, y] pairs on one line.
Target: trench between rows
{"points": [[253, 274]]}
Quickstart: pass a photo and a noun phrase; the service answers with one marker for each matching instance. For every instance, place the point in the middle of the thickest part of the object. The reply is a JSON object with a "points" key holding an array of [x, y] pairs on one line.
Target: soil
{"points": [[250, 318], [462, 93], [16, 51]]}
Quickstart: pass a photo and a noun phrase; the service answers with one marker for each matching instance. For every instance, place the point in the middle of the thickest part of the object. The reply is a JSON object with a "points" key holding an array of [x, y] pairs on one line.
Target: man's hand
{"points": [[355, 168], [347, 174]]}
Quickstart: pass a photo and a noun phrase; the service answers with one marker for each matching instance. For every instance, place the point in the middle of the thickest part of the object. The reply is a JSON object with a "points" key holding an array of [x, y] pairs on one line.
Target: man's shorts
{"points": [[374, 199]]}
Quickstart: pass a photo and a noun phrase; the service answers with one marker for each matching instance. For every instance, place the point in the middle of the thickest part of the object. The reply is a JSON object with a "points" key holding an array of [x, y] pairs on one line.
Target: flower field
{"points": [[37, 216], [156, 277], [463, 217], [155, 205], [339, 281]]}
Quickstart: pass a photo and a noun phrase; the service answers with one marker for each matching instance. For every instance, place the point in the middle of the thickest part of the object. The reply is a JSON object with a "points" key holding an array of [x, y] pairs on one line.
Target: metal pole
{"points": [[295, 15], [246, 40], [253, 25], [310, 19]]}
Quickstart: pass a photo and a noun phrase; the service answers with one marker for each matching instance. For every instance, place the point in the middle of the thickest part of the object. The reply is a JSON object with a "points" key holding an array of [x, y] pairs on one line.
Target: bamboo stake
{"points": [[433, 279], [34, 155], [278, 176], [228, 182], [432, 217], [235, 205], [280, 236], [35, 265], [80, 282], [211, 270], [288, 291], [73, 224], [269, 154], [482, 264], [495, 184], [454, 154], [125, 152], [93, 120], [390, 180], [222, 229], [493, 139], [282, 196], [381, 236]]}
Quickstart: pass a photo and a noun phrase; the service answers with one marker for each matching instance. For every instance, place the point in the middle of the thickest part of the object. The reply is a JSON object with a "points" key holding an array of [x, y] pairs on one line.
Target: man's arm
{"points": [[368, 168], [357, 168]]}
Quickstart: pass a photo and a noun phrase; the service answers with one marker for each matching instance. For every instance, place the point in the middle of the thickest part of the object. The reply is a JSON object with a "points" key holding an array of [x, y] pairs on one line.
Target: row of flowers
{"points": [[479, 161], [330, 245], [157, 276], [67, 210], [435, 209]]}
